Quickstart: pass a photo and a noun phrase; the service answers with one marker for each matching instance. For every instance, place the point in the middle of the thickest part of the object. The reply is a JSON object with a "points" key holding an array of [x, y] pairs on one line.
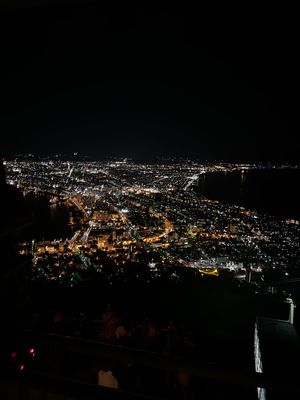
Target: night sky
{"points": [[109, 81]]}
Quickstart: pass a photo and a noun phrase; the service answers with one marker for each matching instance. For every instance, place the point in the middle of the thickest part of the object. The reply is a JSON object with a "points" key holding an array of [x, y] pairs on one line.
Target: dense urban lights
{"points": [[150, 214]]}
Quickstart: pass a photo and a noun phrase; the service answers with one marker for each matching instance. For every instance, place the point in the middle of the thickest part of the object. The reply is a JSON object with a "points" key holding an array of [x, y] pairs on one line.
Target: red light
{"points": [[31, 350], [13, 355], [21, 367]]}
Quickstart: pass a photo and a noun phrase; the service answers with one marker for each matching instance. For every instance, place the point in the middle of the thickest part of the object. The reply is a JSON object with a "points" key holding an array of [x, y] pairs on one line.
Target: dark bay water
{"points": [[271, 191], [48, 221]]}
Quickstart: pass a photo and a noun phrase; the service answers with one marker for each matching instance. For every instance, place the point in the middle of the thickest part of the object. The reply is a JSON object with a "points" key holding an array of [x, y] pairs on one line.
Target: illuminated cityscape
{"points": [[151, 214], [149, 202], [136, 231]]}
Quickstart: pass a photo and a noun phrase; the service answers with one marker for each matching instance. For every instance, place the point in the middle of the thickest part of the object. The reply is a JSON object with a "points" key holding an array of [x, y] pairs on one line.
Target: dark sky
{"points": [[110, 81]]}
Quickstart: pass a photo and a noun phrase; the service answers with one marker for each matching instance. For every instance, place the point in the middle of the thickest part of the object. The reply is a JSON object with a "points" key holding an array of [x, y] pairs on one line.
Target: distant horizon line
{"points": [[76, 156]]}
